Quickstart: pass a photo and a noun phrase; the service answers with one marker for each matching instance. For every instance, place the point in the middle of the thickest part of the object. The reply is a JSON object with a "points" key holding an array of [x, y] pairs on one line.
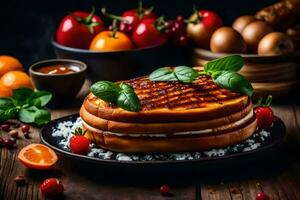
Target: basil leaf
{"points": [[186, 74], [106, 90], [40, 98], [163, 74], [22, 96], [128, 100], [233, 81], [6, 103], [34, 115], [228, 63], [8, 113], [126, 86]]}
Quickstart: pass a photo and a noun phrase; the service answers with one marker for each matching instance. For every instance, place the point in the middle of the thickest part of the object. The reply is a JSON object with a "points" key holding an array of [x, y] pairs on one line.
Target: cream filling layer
{"points": [[198, 132]]}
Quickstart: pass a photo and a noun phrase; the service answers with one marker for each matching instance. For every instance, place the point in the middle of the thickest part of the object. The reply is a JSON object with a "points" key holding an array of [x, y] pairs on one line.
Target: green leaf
{"points": [[233, 81], [106, 90], [40, 98], [228, 63], [163, 74], [34, 115], [8, 113], [22, 96], [125, 86], [128, 100], [186, 74], [6, 103]]}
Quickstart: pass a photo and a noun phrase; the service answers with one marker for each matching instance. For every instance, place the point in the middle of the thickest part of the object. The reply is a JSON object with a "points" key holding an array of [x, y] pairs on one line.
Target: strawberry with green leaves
{"points": [[264, 113], [78, 143]]}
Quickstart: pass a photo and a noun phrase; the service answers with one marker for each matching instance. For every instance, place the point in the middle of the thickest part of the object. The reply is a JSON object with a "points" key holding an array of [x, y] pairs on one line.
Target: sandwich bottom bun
{"points": [[128, 144]]}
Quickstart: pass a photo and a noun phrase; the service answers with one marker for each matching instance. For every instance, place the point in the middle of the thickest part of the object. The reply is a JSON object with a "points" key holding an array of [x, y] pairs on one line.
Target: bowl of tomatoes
{"points": [[135, 44]]}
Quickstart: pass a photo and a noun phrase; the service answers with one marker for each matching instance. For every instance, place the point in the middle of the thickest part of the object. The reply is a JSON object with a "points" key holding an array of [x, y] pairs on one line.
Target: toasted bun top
{"points": [[172, 101]]}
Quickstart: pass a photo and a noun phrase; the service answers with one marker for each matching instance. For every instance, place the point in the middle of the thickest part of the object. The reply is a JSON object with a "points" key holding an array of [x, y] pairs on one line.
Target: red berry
{"points": [[1, 142], [179, 18], [52, 187], [5, 127], [79, 144], [183, 40], [262, 196], [164, 190], [25, 128], [264, 116], [9, 142]]}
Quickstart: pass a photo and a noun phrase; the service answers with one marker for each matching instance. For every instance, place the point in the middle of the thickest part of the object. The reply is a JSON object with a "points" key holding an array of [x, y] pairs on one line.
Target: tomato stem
{"points": [[160, 24], [88, 19], [112, 16], [114, 28]]}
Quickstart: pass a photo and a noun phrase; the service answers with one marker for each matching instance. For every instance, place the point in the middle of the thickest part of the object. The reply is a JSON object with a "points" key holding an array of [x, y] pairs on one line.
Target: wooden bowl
{"points": [[269, 75]]}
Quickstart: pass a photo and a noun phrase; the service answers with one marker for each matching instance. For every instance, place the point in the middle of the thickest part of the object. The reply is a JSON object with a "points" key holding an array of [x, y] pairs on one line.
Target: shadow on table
{"points": [[253, 168]]}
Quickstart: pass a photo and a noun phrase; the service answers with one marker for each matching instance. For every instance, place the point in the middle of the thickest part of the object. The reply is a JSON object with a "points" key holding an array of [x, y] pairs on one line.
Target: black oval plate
{"points": [[229, 160]]}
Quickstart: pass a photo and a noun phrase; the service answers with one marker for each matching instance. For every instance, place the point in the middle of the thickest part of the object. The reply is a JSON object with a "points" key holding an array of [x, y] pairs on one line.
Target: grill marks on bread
{"points": [[176, 95]]}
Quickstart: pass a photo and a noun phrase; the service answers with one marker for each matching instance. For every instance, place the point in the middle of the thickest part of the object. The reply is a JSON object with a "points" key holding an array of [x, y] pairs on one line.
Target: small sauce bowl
{"points": [[62, 77]]}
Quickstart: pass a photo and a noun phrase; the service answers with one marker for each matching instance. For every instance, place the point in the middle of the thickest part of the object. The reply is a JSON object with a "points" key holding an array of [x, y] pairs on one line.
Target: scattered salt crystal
{"points": [[64, 130], [265, 133], [123, 157]]}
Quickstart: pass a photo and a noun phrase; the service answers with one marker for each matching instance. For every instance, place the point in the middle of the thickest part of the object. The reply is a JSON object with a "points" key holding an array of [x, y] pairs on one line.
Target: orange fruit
{"points": [[9, 63], [37, 156], [16, 79], [5, 92]]}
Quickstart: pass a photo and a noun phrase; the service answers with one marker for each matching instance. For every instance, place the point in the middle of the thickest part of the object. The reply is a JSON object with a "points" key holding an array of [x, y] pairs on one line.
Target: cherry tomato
{"points": [[201, 26], [131, 18], [110, 41], [165, 190], [78, 29], [147, 34], [262, 196]]}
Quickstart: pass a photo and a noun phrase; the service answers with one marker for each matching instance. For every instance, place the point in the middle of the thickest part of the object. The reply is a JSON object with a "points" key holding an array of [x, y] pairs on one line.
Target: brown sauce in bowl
{"points": [[58, 69]]}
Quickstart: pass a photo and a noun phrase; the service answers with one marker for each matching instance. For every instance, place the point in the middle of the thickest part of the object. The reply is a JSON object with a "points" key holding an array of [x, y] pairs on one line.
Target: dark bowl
{"points": [[64, 87], [120, 65]]}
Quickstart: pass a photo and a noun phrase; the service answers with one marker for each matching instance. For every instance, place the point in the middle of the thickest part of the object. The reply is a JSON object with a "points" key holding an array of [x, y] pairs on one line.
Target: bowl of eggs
{"points": [[268, 43]]}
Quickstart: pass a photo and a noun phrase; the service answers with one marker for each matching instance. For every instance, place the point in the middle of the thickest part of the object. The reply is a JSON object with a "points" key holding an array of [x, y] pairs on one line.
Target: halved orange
{"points": [[37, 156]]}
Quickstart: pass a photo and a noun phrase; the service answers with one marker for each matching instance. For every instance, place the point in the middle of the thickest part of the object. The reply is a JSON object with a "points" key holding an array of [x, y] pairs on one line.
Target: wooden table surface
{"points": [[279, 177]]}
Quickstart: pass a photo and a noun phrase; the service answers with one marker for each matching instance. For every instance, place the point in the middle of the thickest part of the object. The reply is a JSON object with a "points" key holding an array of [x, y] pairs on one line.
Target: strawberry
{"points": [[52, 187], [264, 114], [78, 143]]}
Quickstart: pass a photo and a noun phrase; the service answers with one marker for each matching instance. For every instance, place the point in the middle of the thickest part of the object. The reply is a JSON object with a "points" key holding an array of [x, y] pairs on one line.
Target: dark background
{"points": [[27, 26]]}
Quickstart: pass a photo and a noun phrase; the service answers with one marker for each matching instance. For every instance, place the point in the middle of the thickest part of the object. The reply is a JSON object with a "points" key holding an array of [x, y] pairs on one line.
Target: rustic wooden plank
{"points": [[77, 185], [283, 186], [215, 192]]}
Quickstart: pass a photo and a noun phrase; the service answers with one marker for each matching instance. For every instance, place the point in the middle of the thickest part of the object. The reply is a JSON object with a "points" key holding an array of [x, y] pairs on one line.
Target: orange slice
{"points": [[37, 156]]}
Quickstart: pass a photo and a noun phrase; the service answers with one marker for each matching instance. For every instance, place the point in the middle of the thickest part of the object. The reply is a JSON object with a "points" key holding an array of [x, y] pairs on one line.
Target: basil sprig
{"points": [[183, 74], [224, 72], [122, 95], [26, 105]]}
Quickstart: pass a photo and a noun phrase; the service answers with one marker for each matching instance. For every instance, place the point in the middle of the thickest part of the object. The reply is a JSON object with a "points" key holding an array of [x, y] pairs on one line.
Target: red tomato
{"points": [[78, 29], [201, 26], [147, 34], [132, 18]]}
